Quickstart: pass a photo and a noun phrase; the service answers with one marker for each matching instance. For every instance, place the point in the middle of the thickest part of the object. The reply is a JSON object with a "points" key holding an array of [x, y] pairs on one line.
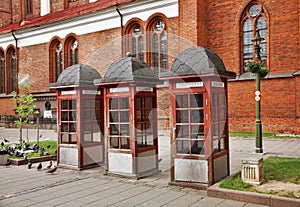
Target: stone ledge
{"points": [[252, 197], [32, 160]]}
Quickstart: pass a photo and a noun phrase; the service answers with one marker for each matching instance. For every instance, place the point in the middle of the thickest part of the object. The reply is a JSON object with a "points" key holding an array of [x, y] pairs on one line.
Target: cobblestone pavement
{"points": [[22, 187]]}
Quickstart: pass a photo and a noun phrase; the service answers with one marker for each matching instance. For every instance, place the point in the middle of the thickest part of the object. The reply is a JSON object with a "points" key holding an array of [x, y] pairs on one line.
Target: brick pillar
{"points": [[192, 21]]}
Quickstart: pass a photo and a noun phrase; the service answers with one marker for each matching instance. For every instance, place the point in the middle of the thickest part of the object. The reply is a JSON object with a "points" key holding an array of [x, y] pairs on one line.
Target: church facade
{"points": [[39, 39]]}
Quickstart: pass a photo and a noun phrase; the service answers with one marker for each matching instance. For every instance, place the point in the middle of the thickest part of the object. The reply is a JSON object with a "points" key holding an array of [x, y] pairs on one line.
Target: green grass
{"points": [[51, 150], [282, 169], [236, 183], [252, 134], [275, 168]]}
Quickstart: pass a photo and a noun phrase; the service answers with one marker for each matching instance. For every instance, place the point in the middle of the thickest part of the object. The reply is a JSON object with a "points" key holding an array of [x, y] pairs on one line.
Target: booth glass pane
{"points": [[124, 103], [114, 129], [124, 128], [114, 142], [64, 127], [183, 146], [72, 127], [182, 131], [114, 116], [181, 101], [149, 102], [125, 144], [65, 104], [222, 144], [113, 103], [73, 139], [216, 145], [87, 137], [97, 136], [197, 116], [139, 103], [72, 116], [197, 147], [64, 115], [65, 138], [182, 116], [87, 127], [72, 104], [124, 116], [196, 101], [197, 131]]}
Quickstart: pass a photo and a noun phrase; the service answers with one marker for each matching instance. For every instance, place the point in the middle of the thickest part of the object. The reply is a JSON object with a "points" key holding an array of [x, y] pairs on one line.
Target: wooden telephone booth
{"points": [[131, 123], [199, 142], [80, 117]]}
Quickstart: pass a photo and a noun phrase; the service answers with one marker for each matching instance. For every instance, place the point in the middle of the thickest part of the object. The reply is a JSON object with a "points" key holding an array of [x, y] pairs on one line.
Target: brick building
{"points": [[41, 38]]}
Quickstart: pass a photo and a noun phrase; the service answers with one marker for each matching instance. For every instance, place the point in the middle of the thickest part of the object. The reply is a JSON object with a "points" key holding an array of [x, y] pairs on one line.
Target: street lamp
{"points": [[257, 41]]}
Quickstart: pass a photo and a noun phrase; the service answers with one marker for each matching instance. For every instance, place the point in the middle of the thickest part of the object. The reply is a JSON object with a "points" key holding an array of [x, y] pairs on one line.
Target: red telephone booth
{"points": [[199, 142], [131, 119], [80, 117]]}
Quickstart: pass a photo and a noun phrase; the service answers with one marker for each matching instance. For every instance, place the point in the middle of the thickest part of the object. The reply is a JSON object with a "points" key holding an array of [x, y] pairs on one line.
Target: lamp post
{"points": [[257, 41]]}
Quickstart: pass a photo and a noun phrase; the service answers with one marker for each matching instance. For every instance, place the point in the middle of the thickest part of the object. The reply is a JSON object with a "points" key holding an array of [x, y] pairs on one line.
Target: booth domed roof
{"points": [[78, 74], [198, 61], [129, 69]]}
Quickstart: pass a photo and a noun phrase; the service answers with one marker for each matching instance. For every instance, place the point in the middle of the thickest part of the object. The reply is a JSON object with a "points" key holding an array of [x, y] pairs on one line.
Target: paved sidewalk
{"points": [[22, 187]]}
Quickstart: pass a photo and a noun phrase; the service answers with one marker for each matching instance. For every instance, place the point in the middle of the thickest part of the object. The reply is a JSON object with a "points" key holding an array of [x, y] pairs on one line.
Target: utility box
{"points": [[252, 171]]}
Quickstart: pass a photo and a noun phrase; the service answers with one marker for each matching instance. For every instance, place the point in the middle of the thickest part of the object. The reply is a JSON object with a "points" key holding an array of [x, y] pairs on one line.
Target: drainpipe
{"points": [[122, 29]]}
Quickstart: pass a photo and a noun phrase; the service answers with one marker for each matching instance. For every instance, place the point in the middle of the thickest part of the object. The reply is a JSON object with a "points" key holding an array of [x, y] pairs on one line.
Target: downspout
{"points": [[17, 57], [122, 30]]}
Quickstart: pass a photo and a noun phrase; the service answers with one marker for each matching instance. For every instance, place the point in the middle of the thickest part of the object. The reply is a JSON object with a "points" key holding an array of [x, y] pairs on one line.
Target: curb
{"points": [[32, 160], [252, 197]]}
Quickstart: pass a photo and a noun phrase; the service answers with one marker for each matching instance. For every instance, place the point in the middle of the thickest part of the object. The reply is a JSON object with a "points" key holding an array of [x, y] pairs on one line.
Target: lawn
{"points": [[275, 168], [266, 135], [51, 150]]}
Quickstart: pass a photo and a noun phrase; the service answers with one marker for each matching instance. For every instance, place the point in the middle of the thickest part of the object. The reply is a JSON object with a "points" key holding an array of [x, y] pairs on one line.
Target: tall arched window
{"points": [[11, 68], [2, 72], [135, 41], [56, 60], [158, 46], [71, 52], [254, 18]]}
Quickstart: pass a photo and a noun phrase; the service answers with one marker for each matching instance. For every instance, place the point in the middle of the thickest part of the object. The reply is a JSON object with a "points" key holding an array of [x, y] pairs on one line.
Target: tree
{"points": [[24, 104]]}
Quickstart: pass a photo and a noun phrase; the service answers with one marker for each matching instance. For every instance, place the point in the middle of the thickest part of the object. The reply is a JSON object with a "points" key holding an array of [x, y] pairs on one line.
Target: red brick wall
{"points": [[278, 106], [223, 22], [7, 106]]}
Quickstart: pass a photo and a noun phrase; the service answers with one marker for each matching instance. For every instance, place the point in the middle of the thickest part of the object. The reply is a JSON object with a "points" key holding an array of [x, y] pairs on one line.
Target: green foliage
{"points": [[266, 135], [275, 168], [236, 183], [24, 103], [282, 169], [257, 67]]}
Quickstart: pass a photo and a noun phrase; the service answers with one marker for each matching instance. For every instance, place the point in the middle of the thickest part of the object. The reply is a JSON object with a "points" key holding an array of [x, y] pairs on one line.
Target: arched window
{"points": [[158, 46], [56, 60], [135, 41], [71, 52], [254, 18], [2, 72], [29, 6], [11, 68]]}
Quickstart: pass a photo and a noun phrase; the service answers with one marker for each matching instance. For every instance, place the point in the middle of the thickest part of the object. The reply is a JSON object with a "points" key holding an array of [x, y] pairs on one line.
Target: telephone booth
{"points": [[80, 117], [131, 119], [199, 141]]}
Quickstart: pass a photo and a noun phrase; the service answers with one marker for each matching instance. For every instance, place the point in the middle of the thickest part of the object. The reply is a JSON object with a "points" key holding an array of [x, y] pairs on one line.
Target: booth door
{"points": [[68, 154], [190, 124]]}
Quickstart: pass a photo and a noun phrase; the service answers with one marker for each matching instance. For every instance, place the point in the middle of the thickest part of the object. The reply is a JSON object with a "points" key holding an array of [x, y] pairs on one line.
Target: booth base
{"points": [[134, 176], [197, 186]]}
